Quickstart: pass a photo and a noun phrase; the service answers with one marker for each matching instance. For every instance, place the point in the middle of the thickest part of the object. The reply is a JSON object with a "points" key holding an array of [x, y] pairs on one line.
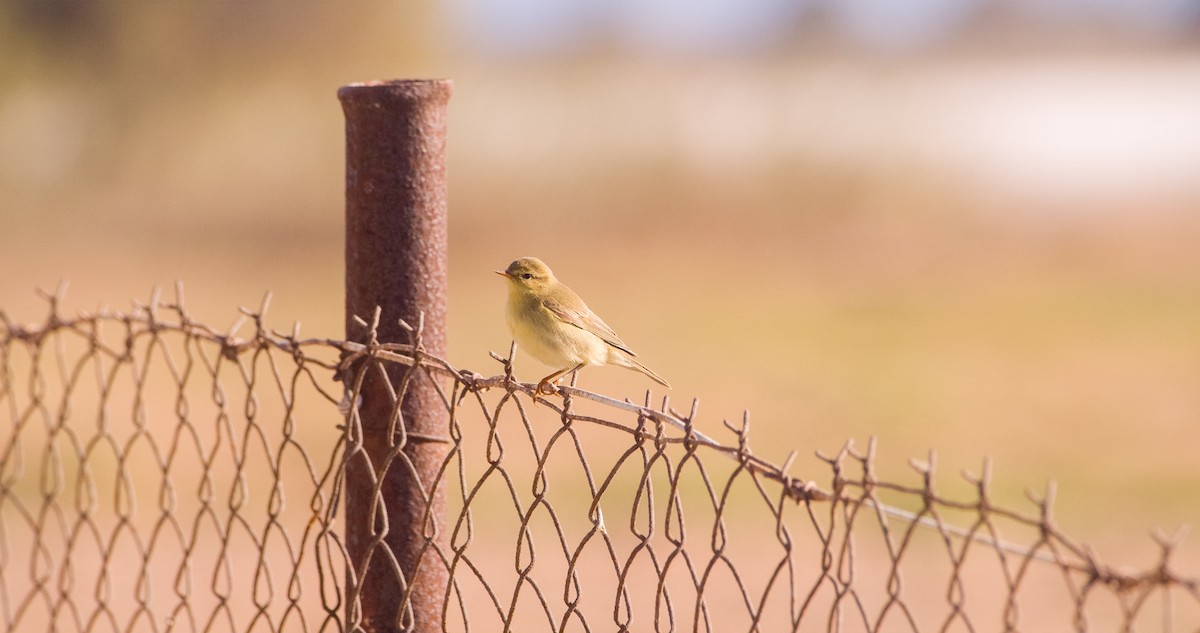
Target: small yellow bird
{"points": [[555, 326]]}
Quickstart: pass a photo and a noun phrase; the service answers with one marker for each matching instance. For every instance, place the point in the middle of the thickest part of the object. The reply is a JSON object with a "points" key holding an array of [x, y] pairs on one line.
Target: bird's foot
{"points": [[545, 387]]}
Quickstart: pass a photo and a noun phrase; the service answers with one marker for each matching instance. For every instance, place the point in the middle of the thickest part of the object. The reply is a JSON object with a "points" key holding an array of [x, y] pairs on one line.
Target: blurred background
{"points": [[962, 225]]}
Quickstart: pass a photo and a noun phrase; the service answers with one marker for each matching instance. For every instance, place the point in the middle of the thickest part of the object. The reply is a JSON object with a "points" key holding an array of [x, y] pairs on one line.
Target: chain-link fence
{"points": [[158, 474]]}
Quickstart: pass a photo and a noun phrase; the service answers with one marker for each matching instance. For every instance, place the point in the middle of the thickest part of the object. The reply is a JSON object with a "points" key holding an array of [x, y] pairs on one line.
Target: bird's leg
{"points": [[572, 371]]}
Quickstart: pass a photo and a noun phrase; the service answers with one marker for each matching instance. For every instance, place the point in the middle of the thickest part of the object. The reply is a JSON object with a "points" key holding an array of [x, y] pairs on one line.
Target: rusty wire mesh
{"points": [[159, 474]]}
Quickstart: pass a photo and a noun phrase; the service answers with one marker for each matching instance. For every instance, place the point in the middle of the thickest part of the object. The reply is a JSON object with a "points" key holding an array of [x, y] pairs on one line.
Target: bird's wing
{"points": [[587, 321]]}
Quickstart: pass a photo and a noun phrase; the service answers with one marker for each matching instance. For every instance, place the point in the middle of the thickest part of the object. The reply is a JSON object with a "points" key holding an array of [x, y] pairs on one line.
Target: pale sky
{"points": [[549, 26]]}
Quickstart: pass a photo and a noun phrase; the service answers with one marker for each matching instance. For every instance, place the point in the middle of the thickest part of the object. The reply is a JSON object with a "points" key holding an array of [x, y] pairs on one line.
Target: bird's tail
{"points": [[625, 360]]}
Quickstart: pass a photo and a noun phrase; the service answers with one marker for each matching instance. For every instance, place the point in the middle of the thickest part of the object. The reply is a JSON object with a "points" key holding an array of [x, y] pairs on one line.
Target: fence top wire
{"points": [[339, 357]]}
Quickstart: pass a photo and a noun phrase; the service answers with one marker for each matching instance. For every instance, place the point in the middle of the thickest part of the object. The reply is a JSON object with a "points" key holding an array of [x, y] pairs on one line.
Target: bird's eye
{"points": [[527, 276]]}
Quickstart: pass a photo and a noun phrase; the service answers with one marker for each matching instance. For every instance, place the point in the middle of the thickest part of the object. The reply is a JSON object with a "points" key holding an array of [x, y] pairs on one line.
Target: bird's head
{"points": [[528, 273]]}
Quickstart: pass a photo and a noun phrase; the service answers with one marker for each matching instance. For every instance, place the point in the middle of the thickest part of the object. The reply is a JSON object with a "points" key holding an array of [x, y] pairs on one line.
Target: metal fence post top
{"points": [[401, 89]]}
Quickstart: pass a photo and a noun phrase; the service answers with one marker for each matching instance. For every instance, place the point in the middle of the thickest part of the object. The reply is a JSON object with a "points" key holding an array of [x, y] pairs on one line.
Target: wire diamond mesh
{"points": [[159, 474]]}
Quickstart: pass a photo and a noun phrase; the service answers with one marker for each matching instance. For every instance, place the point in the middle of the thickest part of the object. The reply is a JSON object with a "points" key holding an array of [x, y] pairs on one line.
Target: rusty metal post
{"points": [[396, 237]]}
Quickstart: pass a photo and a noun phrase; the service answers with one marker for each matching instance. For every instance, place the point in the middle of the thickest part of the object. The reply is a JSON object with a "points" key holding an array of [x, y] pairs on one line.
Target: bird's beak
{"points": [[502, 273]]}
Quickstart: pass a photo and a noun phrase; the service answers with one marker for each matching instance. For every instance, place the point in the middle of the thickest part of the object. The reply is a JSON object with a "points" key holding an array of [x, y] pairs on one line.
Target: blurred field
{"points": [[846, 246]]}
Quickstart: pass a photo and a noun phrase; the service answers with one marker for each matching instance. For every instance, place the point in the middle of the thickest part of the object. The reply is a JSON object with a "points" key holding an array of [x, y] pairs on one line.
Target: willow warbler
{"points": [[555, 326]]}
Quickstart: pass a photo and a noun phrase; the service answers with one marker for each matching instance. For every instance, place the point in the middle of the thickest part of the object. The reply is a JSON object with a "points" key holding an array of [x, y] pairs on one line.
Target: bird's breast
{"points": [[550, 340]]}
